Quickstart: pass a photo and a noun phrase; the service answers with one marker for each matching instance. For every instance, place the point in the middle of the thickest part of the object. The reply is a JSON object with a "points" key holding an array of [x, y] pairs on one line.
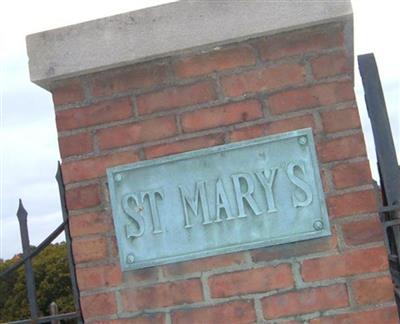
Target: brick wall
{"points": [[215, 96]]}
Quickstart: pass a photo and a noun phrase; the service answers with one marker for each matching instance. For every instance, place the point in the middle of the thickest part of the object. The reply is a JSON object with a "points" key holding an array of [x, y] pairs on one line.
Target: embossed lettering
{"points": [[155, 216], [222, 202], [241, 196], [199, 195], [267, 183], [135, 214], [300, 184]]}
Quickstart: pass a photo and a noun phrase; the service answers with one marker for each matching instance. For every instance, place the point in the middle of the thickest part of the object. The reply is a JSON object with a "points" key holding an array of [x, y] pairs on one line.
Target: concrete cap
{"points": [[164, 30]]}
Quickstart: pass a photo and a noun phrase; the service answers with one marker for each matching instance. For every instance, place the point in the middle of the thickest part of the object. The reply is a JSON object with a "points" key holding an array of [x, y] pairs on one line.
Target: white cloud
{"points": [[29, 166], [375, 23]]}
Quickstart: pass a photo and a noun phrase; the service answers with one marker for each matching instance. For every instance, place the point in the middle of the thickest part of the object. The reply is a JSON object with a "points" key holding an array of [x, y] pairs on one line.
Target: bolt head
{"points": [[118, 177], [130, 258], [318, 225], [302, 140]]}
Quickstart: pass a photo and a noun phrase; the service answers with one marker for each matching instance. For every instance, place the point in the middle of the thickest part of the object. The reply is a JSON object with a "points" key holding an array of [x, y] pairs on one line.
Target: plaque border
{"points": [[307, 132]]}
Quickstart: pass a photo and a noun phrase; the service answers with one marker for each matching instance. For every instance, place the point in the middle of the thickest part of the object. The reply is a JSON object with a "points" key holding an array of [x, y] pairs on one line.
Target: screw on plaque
{"points": [[318, 225], [118, 177], [130, 258], [302, 140]]}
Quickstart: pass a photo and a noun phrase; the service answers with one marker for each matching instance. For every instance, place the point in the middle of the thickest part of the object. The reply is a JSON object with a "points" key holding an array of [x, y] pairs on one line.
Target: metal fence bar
{"points": [[389, 171], [53, 312], [29, 276], [384, 144], [46, 319], [28, 255], [71, 262]]}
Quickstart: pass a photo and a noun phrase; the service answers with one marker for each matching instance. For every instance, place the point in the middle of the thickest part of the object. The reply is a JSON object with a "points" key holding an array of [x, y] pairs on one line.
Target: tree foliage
{"points": [[52, 281]]}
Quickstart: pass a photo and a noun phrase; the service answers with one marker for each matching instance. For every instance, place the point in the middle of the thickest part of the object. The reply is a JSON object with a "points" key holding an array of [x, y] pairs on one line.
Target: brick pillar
{"points": [[198, 95]]}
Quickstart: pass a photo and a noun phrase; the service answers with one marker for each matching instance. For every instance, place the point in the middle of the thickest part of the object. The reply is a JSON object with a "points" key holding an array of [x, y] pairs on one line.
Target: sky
{"points": [[28, 137]]}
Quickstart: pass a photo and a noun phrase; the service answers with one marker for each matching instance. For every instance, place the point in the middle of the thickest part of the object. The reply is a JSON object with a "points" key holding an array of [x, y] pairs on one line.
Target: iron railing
{"points": [[29, 254], [389, 170]]}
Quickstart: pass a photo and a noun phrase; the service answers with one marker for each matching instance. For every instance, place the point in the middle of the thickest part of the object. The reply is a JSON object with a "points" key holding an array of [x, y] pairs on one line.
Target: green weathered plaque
{"points": [[223, 199]]}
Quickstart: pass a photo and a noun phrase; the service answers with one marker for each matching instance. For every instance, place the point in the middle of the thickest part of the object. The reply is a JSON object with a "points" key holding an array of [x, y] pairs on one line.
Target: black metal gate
{"points": [[389, 170], [28, 254]]}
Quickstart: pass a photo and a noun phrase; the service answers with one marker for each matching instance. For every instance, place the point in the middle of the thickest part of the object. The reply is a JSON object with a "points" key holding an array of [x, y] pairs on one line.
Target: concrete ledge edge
{"points": [[165, 30]]}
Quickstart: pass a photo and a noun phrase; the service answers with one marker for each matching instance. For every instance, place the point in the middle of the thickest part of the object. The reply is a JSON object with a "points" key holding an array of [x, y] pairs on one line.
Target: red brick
{"points": [[91, 249], [141, 275], [141, 319], [297, 249], [98, 305], [272, 127], [251, 281], [330, 65], [139, 77], [305, 301], [311, 97], [340, 120], [183, 146], [269, 78], [300, 42], [147, 130], [386, 315], [341, 148], [352, 203], [113, 246], [373, 291], [95, 167], [363, 231], [249, 132], [176, 97], [347, 264], [221, 115], [69, 93], [96, 114], [100, 276], [285, 125], [218, 60], [162, 295], [204, 264], [83, 197], [90, 223], [238, 312], [351, 174], [75, 144]]}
